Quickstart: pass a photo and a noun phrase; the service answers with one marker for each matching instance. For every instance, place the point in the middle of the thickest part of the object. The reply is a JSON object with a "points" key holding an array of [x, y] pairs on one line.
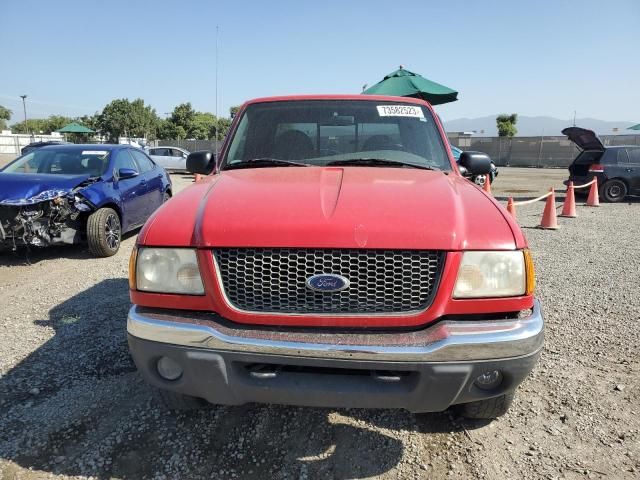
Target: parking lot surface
{"points": [[73, 405]]}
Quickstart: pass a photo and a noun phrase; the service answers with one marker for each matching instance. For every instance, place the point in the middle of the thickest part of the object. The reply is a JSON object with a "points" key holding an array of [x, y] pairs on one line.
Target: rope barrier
{"points": [[526, 202], [549, 217], [585, 185]]}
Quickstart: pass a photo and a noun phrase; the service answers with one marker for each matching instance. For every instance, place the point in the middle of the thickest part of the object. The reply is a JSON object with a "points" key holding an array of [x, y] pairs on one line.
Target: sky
{"points": [[545, 57]]}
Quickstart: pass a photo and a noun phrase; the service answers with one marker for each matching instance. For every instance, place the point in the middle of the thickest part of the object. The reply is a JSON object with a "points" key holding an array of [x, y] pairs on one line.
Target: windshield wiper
{"points": [[379, 162], [264, 162]]}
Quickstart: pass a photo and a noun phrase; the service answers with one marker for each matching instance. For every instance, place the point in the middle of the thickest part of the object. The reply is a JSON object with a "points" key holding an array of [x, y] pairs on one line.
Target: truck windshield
{"points": [[62, 161], [322, 132]]}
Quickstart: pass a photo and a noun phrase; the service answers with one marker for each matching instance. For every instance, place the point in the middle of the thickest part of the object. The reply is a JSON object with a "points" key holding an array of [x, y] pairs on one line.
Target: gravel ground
{"points": [[72, 404]]}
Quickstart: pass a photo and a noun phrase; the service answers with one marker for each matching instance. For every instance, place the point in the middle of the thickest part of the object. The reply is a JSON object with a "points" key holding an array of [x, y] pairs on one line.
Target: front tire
{"points": [[614, 191], [104, 232], [487, 409]]}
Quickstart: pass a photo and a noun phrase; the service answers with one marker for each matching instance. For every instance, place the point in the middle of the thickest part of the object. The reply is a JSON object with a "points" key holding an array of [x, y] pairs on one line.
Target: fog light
{"points": [[489, 380], [169, 369]]}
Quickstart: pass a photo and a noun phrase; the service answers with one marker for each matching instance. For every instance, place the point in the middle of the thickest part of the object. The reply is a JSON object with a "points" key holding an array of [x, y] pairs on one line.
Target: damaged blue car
{"points": [[68, 194]]}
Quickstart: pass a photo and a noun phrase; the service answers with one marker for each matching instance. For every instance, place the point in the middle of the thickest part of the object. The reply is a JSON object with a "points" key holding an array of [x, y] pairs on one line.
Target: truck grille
{"points": [[381, 281]]}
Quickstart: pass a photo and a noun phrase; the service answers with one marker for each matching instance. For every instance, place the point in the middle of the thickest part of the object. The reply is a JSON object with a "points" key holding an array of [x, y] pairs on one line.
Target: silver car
{"points": [[171, 158]]}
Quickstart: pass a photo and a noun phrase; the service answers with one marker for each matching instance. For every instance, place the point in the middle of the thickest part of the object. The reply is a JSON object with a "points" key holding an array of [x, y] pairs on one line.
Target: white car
{"points": [[171, 158]]}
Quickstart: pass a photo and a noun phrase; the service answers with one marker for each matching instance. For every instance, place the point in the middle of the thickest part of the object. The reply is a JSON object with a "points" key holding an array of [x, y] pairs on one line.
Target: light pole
{"points": [[24, 107]]}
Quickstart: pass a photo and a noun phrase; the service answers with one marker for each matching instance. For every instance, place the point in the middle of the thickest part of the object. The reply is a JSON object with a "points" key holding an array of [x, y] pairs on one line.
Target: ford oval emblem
{"points": [[327, 282]]}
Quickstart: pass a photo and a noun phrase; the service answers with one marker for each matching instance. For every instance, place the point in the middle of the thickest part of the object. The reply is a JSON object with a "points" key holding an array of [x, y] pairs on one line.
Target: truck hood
{"points": [[333, 207], [24, 189]]}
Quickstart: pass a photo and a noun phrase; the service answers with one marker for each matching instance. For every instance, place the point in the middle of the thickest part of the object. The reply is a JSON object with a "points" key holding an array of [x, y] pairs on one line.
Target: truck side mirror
{"points": [[201, 162], [476, 163]]}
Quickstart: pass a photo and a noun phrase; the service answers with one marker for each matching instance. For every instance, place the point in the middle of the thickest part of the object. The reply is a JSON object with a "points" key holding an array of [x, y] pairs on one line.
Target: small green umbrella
{"points": [[74, 127], [403, 83], [635, 127]]}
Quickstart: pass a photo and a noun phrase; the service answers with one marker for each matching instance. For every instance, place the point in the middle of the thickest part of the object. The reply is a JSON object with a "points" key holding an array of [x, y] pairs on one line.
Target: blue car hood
{"points": [[27, 189]]}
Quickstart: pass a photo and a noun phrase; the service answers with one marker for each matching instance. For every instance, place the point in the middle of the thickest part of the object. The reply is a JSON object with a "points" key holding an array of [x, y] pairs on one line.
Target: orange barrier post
{"points": [[549, 218], [487, 185], [569, 205], [593, 200], [196, 177], [511, 208]]}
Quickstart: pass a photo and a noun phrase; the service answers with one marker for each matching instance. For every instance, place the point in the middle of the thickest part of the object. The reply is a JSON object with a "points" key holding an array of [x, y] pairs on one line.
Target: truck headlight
{"points": [[495, 274], [168, 270]]}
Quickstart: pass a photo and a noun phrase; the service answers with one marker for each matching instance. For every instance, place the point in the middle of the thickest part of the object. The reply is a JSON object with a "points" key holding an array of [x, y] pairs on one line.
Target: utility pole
{"points": [[574, 118], [24, 107]]}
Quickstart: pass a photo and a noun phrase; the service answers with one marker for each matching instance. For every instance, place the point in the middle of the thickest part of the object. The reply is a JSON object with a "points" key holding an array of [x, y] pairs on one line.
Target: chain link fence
{"points": [[550, 152], [190, 145]]}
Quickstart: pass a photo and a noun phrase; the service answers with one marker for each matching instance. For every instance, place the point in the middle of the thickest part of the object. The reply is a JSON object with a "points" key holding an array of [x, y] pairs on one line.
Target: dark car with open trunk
{"points": [[617, 167]]}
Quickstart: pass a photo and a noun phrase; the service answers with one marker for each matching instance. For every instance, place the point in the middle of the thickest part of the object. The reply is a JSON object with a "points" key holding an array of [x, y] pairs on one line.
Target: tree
{"points": [[202, 126], [124, 118], [185, 122], [233, 111], [144, 119], [167, 130], [221, 128], [115, 119], [33, 125], [5, 116], [183, 116], [56, 122], [41, 125], [507, 125], [89, 121]]}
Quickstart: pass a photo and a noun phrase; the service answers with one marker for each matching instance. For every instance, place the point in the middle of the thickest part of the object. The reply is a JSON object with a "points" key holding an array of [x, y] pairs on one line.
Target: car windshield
{"points": [[62, 161], [322, 132]]}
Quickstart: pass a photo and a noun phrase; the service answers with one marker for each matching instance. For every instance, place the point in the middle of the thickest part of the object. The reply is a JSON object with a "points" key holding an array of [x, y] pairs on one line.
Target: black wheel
{"points": [[489, 408], [104, 232], [166, 196], [480, 180], [614, 190], [177, 401]]}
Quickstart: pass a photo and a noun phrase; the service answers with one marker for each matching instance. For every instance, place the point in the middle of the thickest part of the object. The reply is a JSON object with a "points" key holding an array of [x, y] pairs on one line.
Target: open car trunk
{"points": [[591, 146], [581, 164], [583, 138]]}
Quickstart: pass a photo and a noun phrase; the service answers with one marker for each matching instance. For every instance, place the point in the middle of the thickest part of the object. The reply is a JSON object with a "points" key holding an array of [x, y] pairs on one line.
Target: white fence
{"points": [[12, 144]]}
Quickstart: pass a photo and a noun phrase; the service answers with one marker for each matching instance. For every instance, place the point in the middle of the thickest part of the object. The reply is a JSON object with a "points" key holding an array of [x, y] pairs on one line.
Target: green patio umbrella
{"points": [[635, 127], [403, 83], [74, 127]]}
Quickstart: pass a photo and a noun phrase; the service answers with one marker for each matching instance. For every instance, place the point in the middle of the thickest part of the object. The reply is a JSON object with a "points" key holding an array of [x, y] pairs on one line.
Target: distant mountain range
{"points": [[535, 126]]}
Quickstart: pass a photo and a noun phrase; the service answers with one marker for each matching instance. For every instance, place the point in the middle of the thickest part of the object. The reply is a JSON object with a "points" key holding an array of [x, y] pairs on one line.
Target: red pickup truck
{"points": [[335, 257]]}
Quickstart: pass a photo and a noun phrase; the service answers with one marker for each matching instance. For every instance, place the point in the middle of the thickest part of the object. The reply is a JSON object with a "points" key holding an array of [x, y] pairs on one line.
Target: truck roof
{"points": [[353, 96]]}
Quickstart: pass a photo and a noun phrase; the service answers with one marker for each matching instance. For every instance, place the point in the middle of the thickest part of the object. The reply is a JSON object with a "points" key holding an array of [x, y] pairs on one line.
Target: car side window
{"points": [[623, 158], [143, 162], [634, 155], [124, 160], [176, 153]]}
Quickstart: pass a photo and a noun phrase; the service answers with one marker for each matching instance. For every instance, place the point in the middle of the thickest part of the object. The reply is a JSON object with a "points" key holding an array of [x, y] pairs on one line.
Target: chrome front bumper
{"points": [[446, 341]]}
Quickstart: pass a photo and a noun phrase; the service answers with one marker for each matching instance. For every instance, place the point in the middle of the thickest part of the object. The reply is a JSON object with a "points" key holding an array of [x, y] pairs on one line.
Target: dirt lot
{"points": [[72, 404]]}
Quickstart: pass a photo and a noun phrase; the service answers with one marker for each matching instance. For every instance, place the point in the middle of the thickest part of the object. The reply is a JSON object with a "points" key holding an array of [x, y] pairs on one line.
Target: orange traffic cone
{"points": [[511, 208], [549, 218], [593, 200], [196, 177], [487, 185], [569, 205]]}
